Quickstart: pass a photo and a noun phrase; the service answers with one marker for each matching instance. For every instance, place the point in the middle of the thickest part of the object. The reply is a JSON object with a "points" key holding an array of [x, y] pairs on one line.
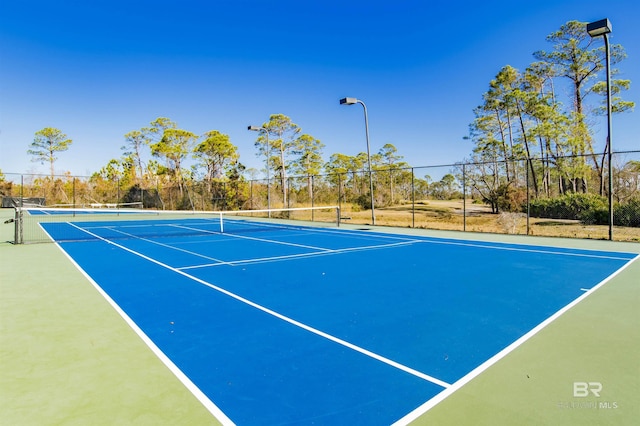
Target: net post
{"points": [[338, 216], [221, 224], [18, 233]]}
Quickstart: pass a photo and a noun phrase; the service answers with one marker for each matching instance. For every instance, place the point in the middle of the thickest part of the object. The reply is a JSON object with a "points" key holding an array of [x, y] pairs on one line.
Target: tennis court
{"points": [[293, 324]]}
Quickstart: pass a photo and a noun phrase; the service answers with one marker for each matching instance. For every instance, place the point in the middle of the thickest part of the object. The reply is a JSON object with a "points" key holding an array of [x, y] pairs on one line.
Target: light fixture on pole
{"points": [[266, 134], [352, 101], [596, 29]]}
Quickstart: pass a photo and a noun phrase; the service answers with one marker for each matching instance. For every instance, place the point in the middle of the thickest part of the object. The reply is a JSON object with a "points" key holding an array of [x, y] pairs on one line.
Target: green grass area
{"points": [[68, 358], [597, 340]]}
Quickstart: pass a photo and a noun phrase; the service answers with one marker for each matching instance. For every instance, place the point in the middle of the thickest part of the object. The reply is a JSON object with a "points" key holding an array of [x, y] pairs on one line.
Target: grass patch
{"points": [[454, 215]]}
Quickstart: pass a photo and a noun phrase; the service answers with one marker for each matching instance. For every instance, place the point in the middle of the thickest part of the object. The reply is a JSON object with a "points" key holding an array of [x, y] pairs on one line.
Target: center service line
{"points": [[280, 316]]}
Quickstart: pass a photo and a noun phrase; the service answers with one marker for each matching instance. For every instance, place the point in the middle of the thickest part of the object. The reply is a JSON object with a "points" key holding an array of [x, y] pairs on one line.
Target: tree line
{"points": [[523, 129], [161, 150]]}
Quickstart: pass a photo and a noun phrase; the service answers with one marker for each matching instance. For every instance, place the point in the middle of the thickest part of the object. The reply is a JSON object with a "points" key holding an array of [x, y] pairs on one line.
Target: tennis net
{"points": [[33, 225]]}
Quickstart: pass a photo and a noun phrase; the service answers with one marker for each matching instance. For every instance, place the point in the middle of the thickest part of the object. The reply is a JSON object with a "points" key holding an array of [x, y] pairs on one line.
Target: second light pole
{"points": [[352, 101]]}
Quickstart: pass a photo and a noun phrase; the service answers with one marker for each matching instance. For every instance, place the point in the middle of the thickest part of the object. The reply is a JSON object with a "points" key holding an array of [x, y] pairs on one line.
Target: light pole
{"points": [[595, 29], [352, 101], [266, 134]]}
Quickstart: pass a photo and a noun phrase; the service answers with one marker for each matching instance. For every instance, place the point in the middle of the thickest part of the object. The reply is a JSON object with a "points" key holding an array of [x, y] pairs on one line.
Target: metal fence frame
{"points": [[514, 186]]}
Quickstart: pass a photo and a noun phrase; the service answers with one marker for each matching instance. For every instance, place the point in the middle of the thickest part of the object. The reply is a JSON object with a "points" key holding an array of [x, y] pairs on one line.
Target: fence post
{"points": [[73, 192], [413, 199], [339, 191], [251, 194], [528, 202], [464, 198], [312, 197]]}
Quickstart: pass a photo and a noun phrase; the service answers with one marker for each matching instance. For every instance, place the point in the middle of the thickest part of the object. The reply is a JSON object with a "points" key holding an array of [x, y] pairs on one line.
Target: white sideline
{"points": [[195, 390]]}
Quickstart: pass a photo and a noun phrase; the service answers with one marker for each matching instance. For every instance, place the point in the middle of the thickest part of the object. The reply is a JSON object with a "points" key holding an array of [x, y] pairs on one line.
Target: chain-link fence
{"points": [[555, 196]]}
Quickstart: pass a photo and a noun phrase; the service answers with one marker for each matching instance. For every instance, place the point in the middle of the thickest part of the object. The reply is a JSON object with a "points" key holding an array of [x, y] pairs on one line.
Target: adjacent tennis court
{"points": [[272, 323]]}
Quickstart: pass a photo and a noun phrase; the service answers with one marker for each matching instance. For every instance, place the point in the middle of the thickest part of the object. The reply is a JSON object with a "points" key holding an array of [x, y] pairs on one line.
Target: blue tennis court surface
{"points": [[325, 326]]}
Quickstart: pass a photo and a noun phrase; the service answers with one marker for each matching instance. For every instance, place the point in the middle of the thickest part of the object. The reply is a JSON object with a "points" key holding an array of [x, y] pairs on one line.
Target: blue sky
{"points": [[99, 69]]}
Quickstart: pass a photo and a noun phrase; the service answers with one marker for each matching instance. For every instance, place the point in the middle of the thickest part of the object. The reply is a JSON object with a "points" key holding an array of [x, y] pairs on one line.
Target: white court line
{"points": [[497, 357], [279, 316], [467, 243], [326, 252], [169, 246], [143, 223], [595, 256], [355, 234], [470, 243], [262, 239], [321, 250]]}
